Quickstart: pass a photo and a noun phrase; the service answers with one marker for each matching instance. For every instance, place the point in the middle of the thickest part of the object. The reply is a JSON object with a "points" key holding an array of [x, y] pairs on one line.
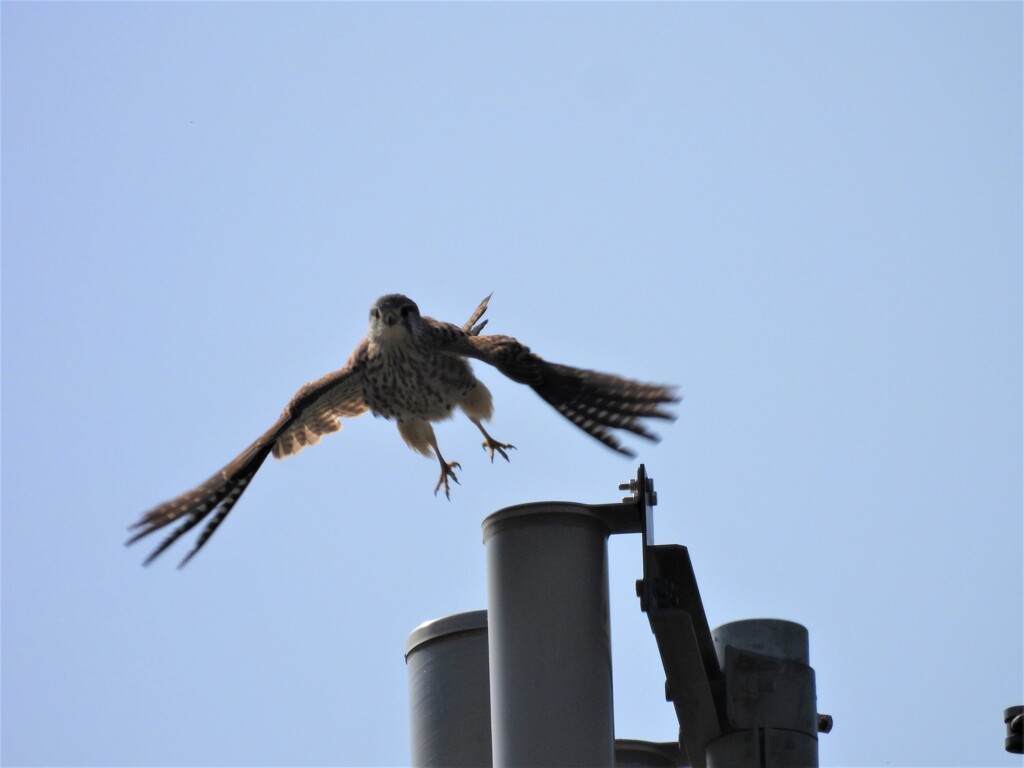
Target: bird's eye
{"points": [[406, 310]]}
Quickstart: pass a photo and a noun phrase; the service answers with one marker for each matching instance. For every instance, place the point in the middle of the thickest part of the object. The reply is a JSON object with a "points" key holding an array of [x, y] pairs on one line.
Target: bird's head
{"points": [[392, 317]]}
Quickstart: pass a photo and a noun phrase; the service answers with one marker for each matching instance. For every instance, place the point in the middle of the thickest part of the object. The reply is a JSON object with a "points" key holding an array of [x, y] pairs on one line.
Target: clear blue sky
{"points": [[808, 216]]}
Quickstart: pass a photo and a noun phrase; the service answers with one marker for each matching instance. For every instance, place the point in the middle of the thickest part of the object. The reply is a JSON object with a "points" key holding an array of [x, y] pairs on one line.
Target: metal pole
{"points": [[770, 698], [549, 638], [631, 753], [449, 700]]}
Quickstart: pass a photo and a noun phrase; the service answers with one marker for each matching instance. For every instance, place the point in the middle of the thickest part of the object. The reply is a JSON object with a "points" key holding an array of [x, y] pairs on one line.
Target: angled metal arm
{"points": [[669, 596]]}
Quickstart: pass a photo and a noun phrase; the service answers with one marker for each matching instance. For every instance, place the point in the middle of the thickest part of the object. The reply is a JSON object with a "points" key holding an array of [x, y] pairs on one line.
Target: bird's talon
{"points": [[447, 471], [491, 446]]}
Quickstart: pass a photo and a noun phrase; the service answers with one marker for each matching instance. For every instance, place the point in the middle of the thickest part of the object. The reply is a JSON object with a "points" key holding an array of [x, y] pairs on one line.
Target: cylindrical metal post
{"points": [[449, 701], [549, 639], [777, 638], [631, 753], [769, 696]]}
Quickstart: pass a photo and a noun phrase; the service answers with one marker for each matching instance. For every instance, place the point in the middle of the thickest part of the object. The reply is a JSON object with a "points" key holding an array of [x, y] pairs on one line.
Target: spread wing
{"points": [[318, 406], [312, 413], [595, 402]]}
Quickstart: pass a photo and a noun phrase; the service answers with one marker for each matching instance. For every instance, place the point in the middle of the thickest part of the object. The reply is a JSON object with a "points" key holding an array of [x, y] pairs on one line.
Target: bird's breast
{"points": [[403, 382]]}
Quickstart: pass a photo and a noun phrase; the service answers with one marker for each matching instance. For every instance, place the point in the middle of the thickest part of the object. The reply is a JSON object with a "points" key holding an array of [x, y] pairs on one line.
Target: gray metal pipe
{"points": [[449, 701], [770, 697], [777, 638], [549, 637]]}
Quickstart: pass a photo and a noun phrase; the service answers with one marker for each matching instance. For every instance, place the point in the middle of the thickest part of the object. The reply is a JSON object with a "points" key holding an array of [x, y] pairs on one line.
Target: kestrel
{"points": [[415, 370]]}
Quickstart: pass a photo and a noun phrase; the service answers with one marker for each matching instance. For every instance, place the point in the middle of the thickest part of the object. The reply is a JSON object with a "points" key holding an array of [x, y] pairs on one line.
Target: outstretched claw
{"points": [[491, 445], [446, 472]]}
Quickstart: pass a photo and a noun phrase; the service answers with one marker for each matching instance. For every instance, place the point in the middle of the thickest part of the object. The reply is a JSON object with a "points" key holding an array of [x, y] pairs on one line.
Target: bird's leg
{"points": [[490, 444], [447, 468]]}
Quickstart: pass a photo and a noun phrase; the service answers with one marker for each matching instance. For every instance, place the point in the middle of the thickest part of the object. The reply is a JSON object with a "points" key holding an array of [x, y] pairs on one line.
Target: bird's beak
{"points": [[389, 317]]}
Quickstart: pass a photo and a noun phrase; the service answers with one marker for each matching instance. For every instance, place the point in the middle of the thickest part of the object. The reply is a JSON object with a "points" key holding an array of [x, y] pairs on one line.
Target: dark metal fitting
{"points": [[1013, 717]]}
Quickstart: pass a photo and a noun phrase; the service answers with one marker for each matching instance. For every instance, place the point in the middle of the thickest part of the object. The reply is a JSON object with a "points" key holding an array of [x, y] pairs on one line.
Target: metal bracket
{"points": [[720, 704], [669, 596]]}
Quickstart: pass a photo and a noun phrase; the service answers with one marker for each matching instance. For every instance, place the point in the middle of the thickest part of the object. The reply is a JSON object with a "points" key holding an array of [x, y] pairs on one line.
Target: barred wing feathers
{"points": [[318, 406], [313, 412], [595, 402]]}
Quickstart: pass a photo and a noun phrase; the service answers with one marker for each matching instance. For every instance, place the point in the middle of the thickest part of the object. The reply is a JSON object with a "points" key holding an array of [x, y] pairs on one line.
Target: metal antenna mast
{"points": [[540, 656]]}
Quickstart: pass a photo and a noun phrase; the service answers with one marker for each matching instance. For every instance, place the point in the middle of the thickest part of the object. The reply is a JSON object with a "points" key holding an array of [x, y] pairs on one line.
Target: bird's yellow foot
{"points": [[491, 445], [446, 472]]}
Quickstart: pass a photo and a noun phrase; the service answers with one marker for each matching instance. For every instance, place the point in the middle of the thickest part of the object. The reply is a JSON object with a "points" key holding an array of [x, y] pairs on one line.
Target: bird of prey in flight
{"points": [[415, 370]]}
